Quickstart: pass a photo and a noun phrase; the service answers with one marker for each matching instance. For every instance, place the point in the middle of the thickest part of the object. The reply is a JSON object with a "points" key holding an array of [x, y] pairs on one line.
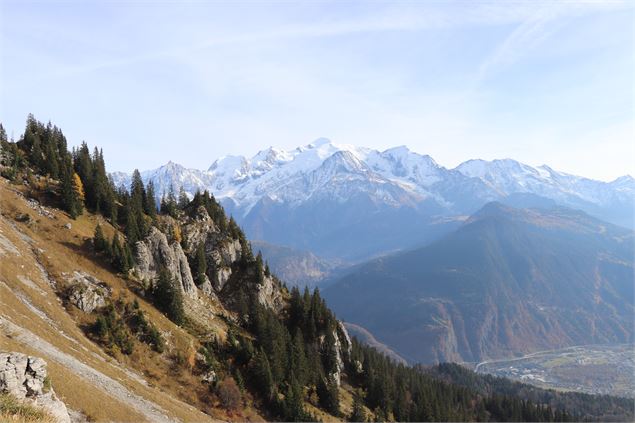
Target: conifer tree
{"points": [[99, 240], [200, 265], [150, 207], [183, 200], [51, 165], [83, 166], [3, 135], [168, 203], [120, 258], [137, 191], [358, 414], [329, 396], [263, 377], [168, 297]]}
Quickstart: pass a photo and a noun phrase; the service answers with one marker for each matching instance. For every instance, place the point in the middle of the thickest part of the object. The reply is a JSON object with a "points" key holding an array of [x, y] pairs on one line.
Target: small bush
{"points": [[229, 394], [47, 384]]}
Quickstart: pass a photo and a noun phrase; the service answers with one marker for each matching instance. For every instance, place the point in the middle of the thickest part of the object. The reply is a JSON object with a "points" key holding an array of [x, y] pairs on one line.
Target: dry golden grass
{"points": [[14, 410], [29, 301]]}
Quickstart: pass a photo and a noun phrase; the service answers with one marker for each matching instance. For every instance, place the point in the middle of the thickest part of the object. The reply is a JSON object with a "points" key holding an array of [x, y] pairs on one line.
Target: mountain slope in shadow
{"points": [[509, 281]]}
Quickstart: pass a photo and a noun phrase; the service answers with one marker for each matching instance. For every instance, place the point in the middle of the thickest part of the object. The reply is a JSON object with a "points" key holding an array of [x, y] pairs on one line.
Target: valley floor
{"points": [[592, 369]]}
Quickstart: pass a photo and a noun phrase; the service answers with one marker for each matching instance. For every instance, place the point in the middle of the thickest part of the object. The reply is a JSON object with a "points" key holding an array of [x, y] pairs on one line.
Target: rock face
{"points": [[155, 251], [270, 293], [221, 251], [343, 347], [24, 377], [222, 255], [87, 292]]}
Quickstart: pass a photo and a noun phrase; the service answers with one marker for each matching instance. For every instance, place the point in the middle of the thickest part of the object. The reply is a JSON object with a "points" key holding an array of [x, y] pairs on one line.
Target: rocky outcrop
{"points": [[347, 344], [270, 293], [221, 252], [199, 228], [25, 378], [86, 292], [342, 347], [155, 251]]}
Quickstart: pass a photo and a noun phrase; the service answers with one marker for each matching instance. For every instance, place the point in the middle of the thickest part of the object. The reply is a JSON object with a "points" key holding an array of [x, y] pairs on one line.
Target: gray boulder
{"points": [[86, 292]]}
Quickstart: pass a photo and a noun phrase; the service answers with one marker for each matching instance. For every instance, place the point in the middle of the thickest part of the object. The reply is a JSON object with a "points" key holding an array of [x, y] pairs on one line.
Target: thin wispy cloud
{"points": [[455, 80]]}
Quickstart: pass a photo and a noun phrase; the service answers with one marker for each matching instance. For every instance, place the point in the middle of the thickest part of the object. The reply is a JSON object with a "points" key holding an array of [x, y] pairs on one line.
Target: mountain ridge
{"points": [[361, 192], [506, 282]]}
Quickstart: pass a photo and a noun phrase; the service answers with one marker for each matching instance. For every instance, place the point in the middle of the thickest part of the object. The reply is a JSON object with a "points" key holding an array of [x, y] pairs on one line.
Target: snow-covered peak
{"points": [[343, 161], [399, 151], [228, 164], [406, 166], [626, 180], [324, 168], [478, 168]]}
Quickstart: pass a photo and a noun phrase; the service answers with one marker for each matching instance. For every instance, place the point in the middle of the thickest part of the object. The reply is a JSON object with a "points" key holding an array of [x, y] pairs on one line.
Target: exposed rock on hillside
{"points": [[343, 347], [86, 292], [270, 293], [155, 251], [25, 377], [221, 251]]}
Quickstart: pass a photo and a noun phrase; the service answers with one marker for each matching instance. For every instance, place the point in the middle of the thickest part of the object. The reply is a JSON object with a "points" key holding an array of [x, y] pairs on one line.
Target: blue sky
{"points": [[541, 82]]}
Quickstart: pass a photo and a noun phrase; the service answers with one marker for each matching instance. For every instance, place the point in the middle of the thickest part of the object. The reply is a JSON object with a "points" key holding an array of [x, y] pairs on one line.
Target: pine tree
{"points": [[183, 200], [137, 191], [298, 363], [263, 377], [71, 202], [260, 271], [132, 229], [149, 206], [37, 157], [119, 257], [83, 164], [358, 414], [99, 240], [329, 395], [200, 265], [168, 203], [51, 164], [168, 297], [3, 135]]}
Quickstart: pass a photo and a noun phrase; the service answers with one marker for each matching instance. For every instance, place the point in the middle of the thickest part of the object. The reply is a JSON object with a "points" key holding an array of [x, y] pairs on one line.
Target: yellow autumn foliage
{"points": [[78, 186]]}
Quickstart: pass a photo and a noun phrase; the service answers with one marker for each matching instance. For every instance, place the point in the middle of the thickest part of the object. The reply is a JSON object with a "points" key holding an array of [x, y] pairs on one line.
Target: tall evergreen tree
{"points": [[183, 200], [358, 414], [99, 240], [168, 297], [150, 206], [200, 265]]}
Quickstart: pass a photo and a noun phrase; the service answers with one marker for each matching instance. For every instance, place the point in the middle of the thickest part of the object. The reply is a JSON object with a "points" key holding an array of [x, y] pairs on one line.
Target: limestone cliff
{"points": [[154, 251]]}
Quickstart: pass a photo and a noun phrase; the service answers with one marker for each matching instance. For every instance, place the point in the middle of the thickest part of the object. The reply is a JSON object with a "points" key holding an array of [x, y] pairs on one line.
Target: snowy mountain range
{"points": [[353, 202]]}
